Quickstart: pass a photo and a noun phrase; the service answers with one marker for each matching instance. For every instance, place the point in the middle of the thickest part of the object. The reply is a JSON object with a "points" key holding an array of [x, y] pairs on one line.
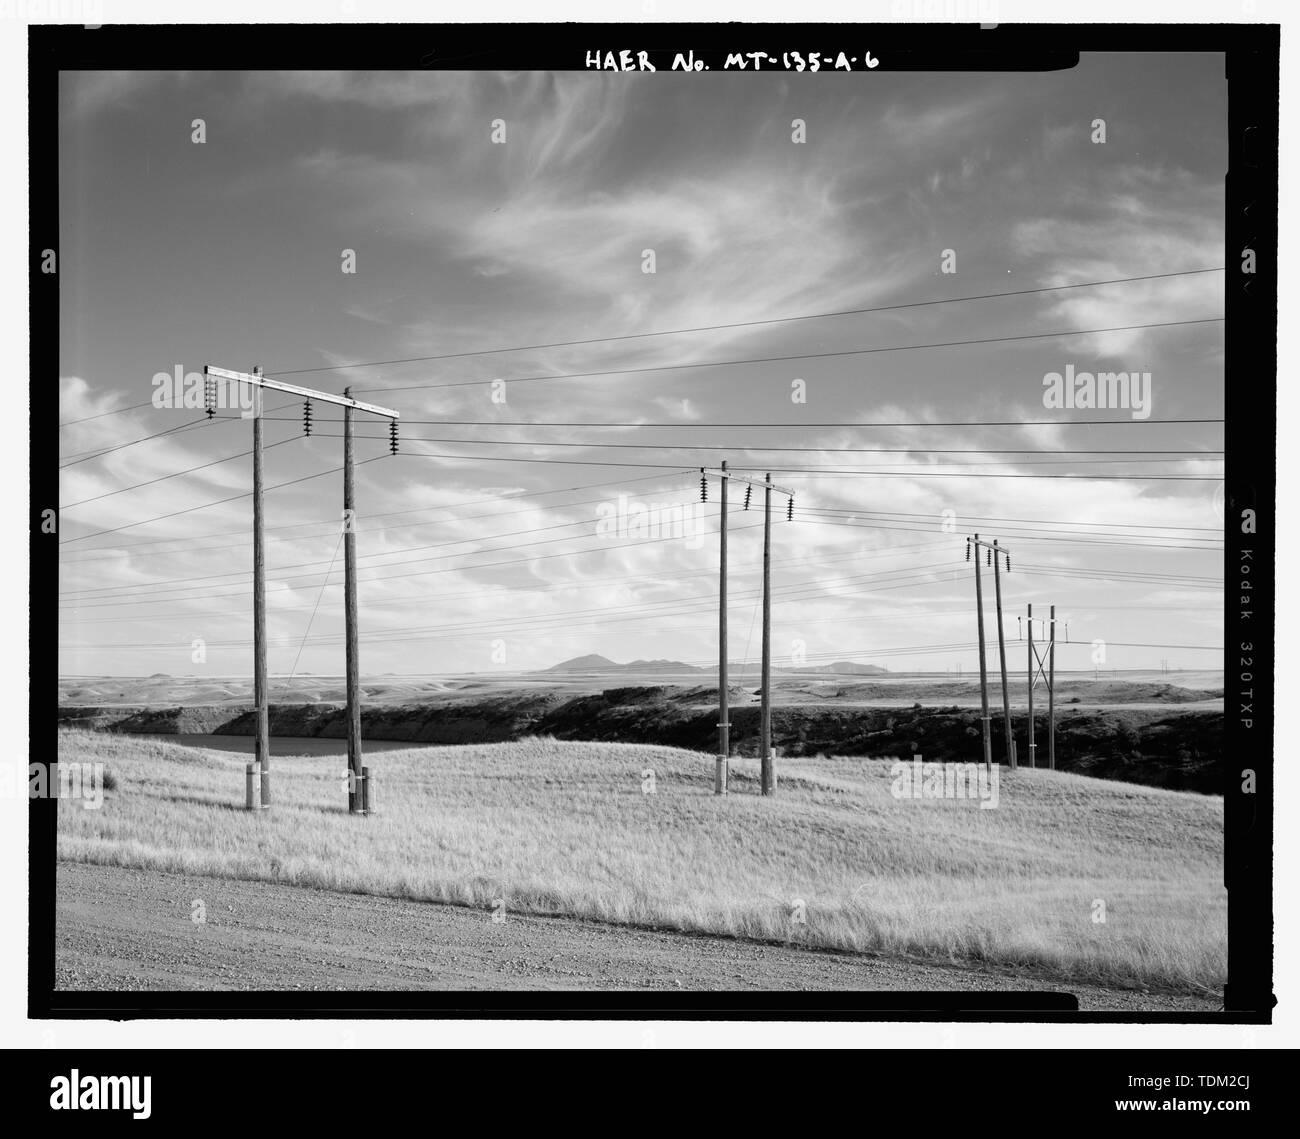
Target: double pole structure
{"points": [[995, 554], [358, 776], [1038, 664], [768, 771]]}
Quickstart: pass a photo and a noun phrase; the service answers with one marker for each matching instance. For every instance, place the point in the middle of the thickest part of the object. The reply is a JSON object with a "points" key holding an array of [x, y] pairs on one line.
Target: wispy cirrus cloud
{"points": [[476, 252]]}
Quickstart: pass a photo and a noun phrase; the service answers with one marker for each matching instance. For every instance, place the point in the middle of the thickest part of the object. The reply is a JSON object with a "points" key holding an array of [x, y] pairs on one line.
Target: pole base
{"points": [[359, 797], [720, 775], [257, 787]]}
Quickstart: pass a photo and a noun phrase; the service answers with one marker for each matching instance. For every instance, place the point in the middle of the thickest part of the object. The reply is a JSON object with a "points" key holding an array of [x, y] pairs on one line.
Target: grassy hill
{"points": [[834, 860], [1170, 743]]}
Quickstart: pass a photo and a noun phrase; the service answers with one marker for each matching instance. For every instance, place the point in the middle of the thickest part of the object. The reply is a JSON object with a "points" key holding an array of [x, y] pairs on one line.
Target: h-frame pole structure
{"points": [[1051, 690], [1030, 620], [358, 789], [1036, 669], [768, 772]]}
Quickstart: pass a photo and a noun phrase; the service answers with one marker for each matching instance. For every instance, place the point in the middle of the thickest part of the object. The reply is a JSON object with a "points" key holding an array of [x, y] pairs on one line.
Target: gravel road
{"points": [[122, 930]]}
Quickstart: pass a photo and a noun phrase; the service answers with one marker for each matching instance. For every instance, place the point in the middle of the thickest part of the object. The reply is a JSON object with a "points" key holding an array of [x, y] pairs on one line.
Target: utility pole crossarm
{"points": [[358, 776], [725, 474], [294, 389]]}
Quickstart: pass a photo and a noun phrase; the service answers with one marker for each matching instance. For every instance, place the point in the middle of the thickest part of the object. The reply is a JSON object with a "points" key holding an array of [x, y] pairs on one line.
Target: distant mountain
{"points": [[843, 668], [594, 662]]}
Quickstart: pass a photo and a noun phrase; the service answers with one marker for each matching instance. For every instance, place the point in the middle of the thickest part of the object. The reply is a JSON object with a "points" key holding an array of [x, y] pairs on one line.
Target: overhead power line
{"points": [[207, 505], [713, 447], [805, 472], [102, 414], [862, 583], [174, 474], [388, 514], [526, 560], [100, 452], [384, 554], [813, 472], [658, 580], [802, 356], [786, 426], [1039, 521], [740, 323], [1159, 542], [841, 618]]}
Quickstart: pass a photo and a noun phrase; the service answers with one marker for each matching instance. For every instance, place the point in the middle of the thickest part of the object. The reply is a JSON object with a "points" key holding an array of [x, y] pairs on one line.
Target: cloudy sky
{"points": [[495, 543]]}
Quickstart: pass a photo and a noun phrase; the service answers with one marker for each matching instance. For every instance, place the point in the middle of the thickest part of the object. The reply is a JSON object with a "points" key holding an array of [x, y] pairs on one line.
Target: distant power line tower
{"points": [[1036, 665]]}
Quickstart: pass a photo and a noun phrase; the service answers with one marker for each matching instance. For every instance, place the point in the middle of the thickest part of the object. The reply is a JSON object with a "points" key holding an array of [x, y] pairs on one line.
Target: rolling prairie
{"points": [[1069, 877]]}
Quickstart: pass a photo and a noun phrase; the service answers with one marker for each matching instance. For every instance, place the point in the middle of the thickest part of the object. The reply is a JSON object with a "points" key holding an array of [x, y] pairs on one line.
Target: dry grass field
{"points": [[834, 860]]}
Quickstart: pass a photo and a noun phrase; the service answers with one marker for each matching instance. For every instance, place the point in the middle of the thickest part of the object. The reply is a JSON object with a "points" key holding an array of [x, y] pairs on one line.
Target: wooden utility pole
{"points": [[724, 723], [356, 799], [262, 714], [1051, 693], [1002, 653], [994, 552], [984, 678], [1032, 745], [356, 774], [765, 712], [768, 774]]}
